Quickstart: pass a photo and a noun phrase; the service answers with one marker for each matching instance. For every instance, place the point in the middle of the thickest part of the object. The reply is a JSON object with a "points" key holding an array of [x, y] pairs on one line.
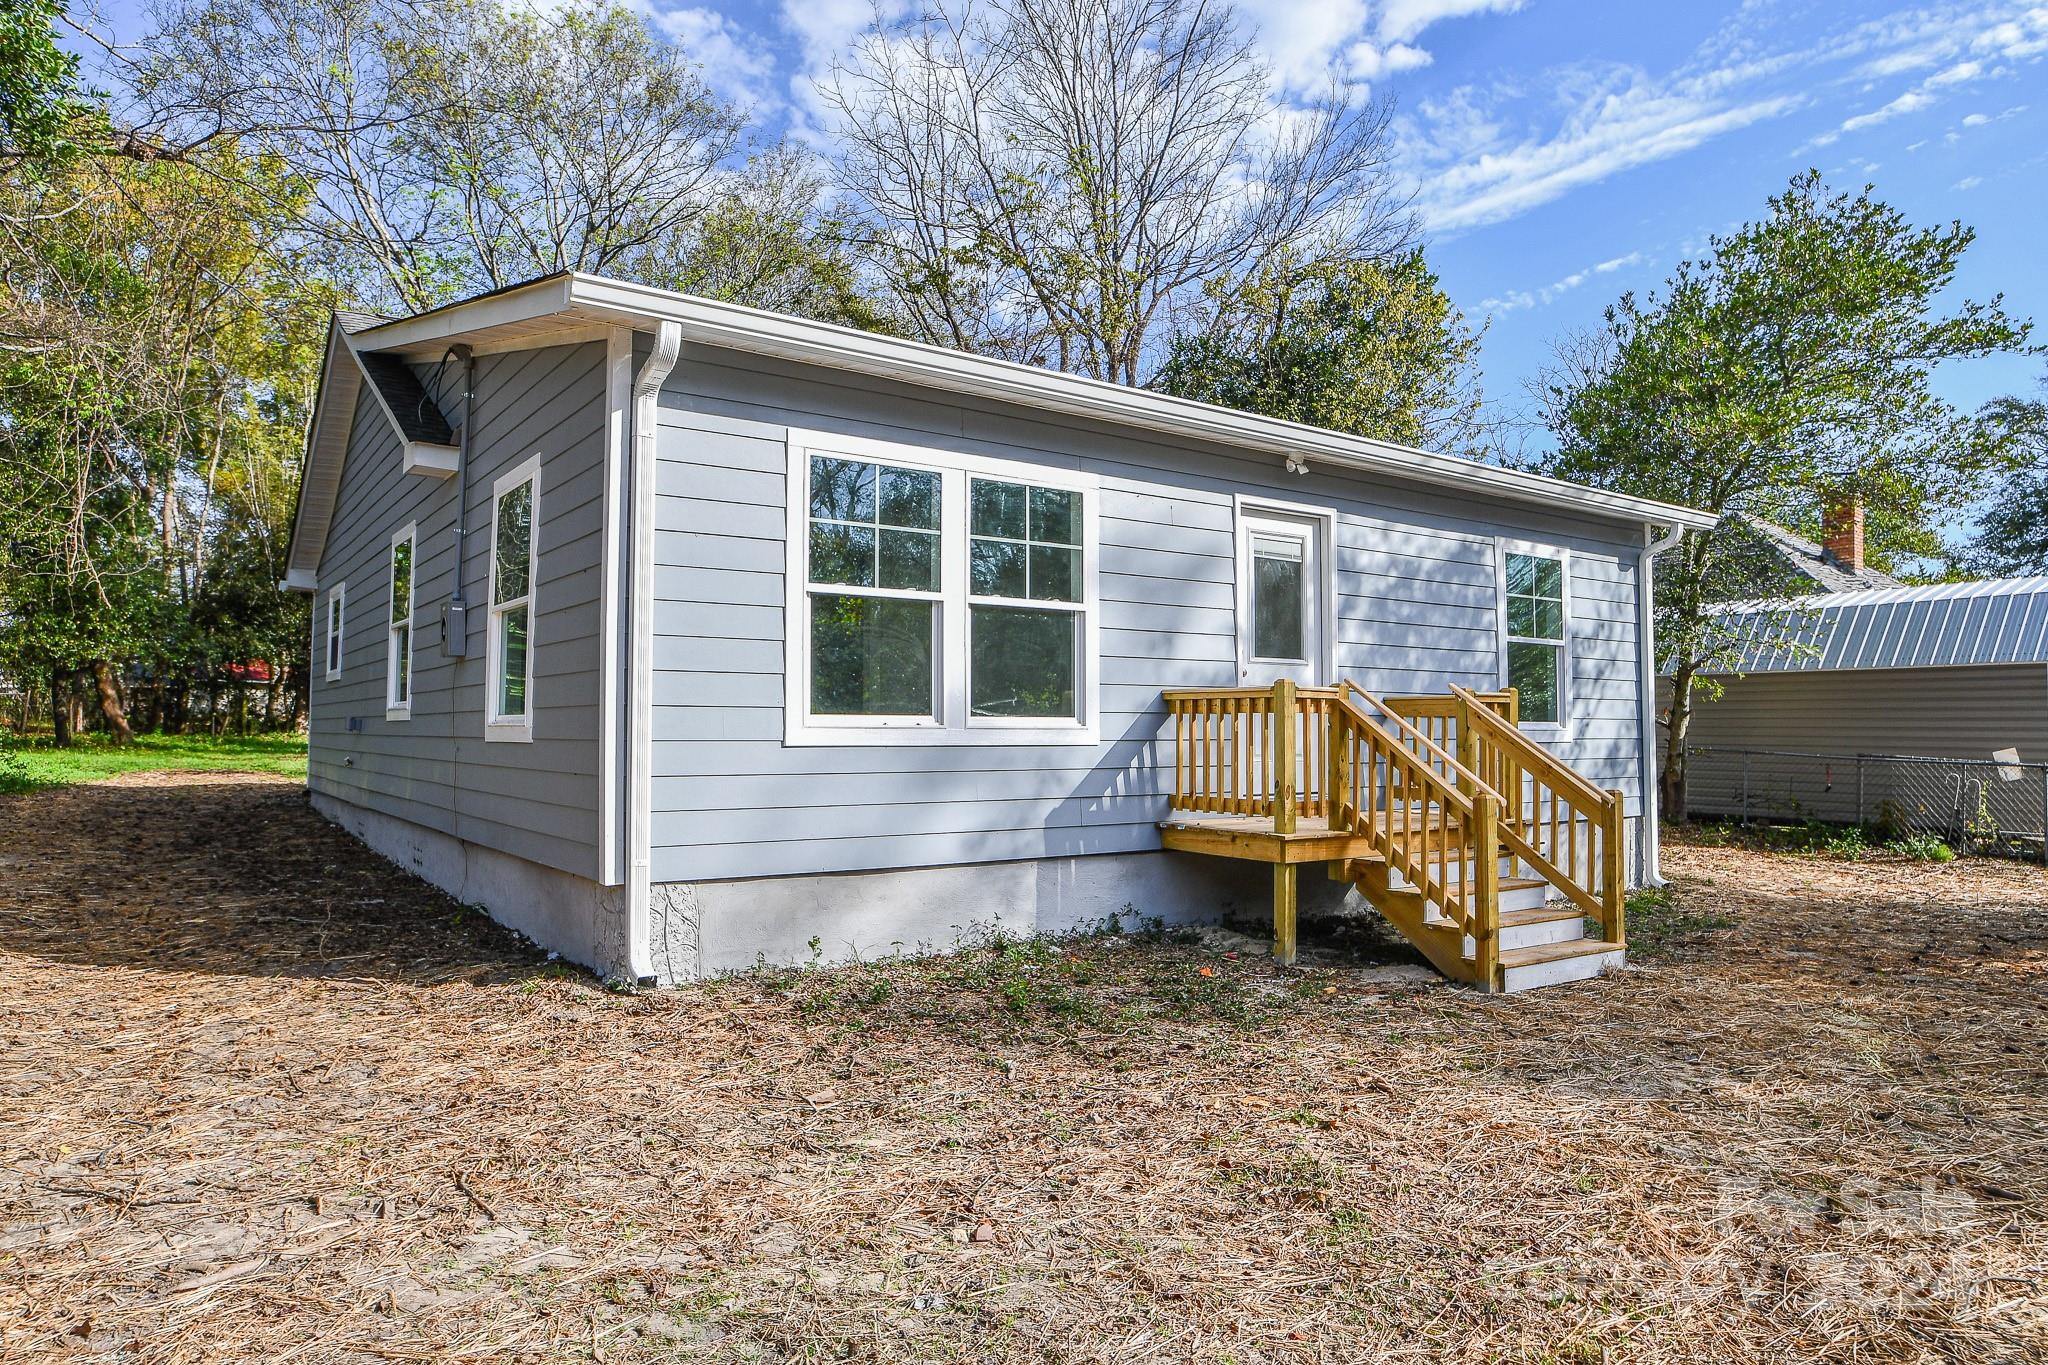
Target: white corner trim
{"points": [[334, 639], [1649, 867], [618, 422], [954, 724], [645, 452], [1563, 730], [1324, 518], [393, 708], [497, 728]]}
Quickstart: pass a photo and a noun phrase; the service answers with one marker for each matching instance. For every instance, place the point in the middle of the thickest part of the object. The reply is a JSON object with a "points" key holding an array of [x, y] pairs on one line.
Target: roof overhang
{"points": [[428, 446], [574, 307]]}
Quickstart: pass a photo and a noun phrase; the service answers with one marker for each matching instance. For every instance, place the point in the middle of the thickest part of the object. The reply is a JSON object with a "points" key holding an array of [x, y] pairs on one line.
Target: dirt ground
{"points": [[262, 1097]]}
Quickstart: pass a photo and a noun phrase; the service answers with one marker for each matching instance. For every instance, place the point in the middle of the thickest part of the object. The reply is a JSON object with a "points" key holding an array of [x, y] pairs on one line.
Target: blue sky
{"points": [[1562, 151]]}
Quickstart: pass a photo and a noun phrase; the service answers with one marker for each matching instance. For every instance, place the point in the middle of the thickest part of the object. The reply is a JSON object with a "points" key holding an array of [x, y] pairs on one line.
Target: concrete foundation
{"points": [[575, 917], [704, 928]]}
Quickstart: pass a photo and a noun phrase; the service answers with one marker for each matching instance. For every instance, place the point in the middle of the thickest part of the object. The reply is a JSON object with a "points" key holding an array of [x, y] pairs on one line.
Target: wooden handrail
{"points": [[1422, 821], [1545, 806]]}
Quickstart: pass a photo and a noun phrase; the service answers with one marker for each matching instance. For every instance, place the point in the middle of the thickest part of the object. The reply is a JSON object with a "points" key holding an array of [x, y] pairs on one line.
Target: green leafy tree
{"points": [[1368, 346], [1788, 367], [2012, 535], [38, 81]]}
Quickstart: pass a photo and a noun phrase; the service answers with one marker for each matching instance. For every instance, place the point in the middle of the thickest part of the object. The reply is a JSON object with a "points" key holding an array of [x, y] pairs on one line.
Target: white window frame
{"points": [[499, 728], [1247, 508], [336, 638], [1561, 729], [953, 722], [394, 709]]}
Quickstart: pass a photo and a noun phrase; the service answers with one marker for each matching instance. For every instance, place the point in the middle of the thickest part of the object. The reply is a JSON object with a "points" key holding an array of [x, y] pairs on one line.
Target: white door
{"points": [[1280, 607]]}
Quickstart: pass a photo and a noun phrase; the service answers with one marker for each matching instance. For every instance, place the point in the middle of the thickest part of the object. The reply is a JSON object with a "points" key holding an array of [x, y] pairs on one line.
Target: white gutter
{"points": [[646, 417], [1651, 874]]}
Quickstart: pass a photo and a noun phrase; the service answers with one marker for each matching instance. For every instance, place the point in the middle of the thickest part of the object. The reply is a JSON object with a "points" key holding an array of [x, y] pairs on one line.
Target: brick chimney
{"points": [[1841, 530]]}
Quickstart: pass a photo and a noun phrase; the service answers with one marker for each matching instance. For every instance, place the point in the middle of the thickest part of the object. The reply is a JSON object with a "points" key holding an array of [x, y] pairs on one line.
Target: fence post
{"points": [[2044, 815], [1745, 786], [1283, 756], [1860, 821]]}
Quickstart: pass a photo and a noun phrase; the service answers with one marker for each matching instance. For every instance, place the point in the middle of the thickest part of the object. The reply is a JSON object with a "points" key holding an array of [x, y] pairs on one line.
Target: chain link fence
{"points": [[1979, 804]]}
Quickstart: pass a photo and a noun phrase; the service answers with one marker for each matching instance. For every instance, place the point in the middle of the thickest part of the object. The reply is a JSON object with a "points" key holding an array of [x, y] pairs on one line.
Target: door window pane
{"points": [[401, 664], [401, 582], [870, 656], [1278, 590], [1023, 662], [1533, 670]]}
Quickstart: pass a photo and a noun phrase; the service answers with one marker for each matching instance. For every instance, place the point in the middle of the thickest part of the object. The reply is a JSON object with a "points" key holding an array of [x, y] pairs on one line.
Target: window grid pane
{"points": [[1023, 662], [873, 526], [1025, 542], [512, 655], [871, 656], [514, 566]]}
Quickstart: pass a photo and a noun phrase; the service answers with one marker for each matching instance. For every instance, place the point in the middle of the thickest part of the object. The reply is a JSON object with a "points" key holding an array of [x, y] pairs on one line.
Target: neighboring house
{"points": [[1952, 670], [1833, 566], [682, 636]]}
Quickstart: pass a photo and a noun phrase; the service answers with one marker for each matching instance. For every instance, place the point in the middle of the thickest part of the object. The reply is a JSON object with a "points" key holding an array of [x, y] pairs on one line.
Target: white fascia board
{"points": [[596, 298], [749, 329], [426, 457]]}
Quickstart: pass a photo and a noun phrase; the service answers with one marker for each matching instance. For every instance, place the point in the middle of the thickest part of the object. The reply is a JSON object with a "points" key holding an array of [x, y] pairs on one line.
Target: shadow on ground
{"points": [[226, 873]]}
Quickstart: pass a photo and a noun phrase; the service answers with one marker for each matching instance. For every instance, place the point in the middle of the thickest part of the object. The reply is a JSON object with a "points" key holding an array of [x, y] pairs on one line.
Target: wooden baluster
{"points": [[1283, 757], [1613, 893]]}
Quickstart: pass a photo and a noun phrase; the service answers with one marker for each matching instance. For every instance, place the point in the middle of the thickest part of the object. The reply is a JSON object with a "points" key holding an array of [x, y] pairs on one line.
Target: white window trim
{"points": [[393, 708], [954, 723], [497, 728], [1561, 730], [336, 639], [1324, 517]]}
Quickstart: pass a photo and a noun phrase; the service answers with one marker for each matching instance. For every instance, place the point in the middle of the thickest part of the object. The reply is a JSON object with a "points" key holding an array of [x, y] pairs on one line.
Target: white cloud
{"points": [[1469, 173], [1368, 63], [1517, 299], [735, 62], [1968, 182], [1401, 20], [1975, 120], [1912, 102]]}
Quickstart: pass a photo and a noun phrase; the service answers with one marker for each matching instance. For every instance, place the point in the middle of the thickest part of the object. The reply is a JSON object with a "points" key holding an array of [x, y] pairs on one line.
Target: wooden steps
{"points": [[1553, 964]]}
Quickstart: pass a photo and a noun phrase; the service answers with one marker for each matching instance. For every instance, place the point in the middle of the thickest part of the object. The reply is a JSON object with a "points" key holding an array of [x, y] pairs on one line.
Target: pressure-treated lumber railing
{"points": [[1342, 755], [1429, 816], [1557, 822], [1231, 758]]}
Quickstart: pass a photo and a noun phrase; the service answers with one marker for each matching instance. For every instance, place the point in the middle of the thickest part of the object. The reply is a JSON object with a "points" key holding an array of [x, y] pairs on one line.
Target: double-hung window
{"points": [[1535, 632], [337, 597], [508, 668], [936, 598], [398, 644]]}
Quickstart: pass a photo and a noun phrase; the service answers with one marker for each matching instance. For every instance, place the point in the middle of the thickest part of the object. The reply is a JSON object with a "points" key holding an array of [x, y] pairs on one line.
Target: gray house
{"points": [[1950, 671], [682, 636]]}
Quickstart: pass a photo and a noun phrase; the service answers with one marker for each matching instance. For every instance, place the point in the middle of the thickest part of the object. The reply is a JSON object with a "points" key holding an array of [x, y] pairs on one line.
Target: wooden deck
{"points": [[1253, 838]]}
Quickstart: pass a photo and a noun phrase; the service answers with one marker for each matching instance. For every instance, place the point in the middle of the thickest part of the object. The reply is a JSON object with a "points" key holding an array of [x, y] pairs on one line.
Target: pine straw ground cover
{"points": [[262, 1097]]}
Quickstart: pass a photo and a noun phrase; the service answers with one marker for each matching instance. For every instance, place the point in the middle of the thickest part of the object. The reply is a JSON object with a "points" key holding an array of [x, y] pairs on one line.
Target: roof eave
{"points": [[597, 298]]}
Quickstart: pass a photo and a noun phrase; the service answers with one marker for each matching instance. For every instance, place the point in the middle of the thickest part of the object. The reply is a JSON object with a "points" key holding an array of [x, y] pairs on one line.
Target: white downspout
{"points": [[668, 343], [1646, 638]]}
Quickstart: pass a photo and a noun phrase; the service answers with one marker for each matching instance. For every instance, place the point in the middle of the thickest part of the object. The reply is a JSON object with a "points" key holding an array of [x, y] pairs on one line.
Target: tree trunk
{"points": [[110, 701], [1671, 789], [60, 708]]}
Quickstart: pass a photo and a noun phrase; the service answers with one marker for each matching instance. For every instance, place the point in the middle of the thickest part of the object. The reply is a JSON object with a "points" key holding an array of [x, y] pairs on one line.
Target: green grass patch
{"points": [[1813, 837], [1659, 922], [33, 765]]}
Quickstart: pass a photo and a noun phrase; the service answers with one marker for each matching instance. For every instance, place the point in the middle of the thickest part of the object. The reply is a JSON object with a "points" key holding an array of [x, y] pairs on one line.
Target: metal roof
{"points": [[1997, 621]]}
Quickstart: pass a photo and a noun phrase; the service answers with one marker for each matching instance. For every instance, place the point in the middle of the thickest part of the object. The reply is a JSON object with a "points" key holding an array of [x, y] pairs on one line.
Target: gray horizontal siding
{"points": [[538, 800], [1959, 712], [1416, 607]]}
